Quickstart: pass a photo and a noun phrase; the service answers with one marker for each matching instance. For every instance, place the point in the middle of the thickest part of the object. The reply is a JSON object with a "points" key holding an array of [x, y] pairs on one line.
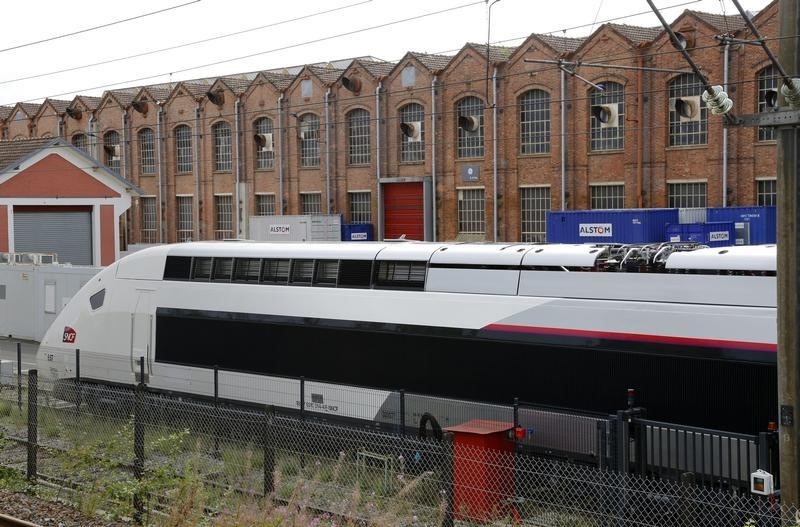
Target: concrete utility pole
{"points": [[788, 259]]}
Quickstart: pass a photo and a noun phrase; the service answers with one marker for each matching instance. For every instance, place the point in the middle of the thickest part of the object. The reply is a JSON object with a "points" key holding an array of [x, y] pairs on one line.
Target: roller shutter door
{"points": [[404, 211], [66, 233]]}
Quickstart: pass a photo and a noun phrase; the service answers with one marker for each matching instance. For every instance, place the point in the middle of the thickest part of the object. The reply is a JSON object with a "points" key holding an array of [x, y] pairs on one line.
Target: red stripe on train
{"points": [[636, 337]]}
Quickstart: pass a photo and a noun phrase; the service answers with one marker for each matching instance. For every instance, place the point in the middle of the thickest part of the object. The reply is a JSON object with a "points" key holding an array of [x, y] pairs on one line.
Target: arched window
{"points": [[358, 137], [147, 151], [469, 121], [183, 148], [767, 82], [534, 122], [412, 133], [688, 115], [265, 150], [112, 150], [80, 142], [308, 133], [607, 117], [222, 146]]}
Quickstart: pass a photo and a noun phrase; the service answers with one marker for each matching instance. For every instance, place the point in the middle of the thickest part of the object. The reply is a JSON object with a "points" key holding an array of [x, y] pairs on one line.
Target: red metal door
{"points": [[403, 211]]}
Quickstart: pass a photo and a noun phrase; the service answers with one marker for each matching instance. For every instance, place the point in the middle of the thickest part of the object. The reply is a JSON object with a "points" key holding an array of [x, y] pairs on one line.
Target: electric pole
{"points": [[788, 258]]}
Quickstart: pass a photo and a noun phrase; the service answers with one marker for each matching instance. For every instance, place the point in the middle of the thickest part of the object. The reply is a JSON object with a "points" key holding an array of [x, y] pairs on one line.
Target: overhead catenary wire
{"points": [[94, 28], [109, 85], [185, 44]]}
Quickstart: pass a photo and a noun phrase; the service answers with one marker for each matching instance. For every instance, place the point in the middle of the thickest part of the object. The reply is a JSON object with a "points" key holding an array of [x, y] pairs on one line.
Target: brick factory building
{"points": [[435, 146]]}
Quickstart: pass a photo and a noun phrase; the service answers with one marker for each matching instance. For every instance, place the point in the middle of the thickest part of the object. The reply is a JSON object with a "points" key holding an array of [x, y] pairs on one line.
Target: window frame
{"points": [[606, 196], [358, 137], [223, 146], [686, 133], [470, 145], [264, 160], [308, 127], [534, 122], [471, 210], [610, 138], [147, 151], [182, 137], [411, 151], [531, 216]]}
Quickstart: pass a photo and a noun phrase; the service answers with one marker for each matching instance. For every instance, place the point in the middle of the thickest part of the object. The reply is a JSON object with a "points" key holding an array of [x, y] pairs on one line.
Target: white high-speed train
{"points": [[693, 332]]}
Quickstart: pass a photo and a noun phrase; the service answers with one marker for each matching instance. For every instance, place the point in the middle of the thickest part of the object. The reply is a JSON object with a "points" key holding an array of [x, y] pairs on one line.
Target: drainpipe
{"points": [[280, 154], [327, 151], [124, 172], [237, 105], [725, 129], [433, 150], [196, 167], [90, 131], [160, 145], [495, 227], [378, 157], [62, 126], [563, 107], [640, 139]]}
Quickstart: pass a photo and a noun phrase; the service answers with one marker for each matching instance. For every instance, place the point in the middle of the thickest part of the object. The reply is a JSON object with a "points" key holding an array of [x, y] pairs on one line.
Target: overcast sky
{"points": [[285, 43]]}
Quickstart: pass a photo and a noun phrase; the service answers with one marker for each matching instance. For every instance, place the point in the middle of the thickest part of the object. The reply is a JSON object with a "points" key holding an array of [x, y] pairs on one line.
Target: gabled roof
{"points": [[637, 34], [279, 80], [29, 108], [377, 69], [124, 96], [92, 103], [5, 111], [726, 23], [12, 152], [433, 62], [561, 44], [156, 92], [327, 74], [237, 85], [58, 105], [496, 53]]}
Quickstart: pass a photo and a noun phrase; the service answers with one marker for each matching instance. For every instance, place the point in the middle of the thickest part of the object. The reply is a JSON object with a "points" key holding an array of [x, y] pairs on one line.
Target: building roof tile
{"points": [[637, 34], [726, 23], [13, 151], [433, 62], [561, 44], [496, 53]]}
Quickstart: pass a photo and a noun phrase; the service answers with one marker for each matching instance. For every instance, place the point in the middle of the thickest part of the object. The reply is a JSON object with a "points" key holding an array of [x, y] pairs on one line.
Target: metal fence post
{"points": [[448, 478], [216, 412], [138, 445], [687, 499], [33, 446], [269, 451], [402, 412], [303, 398], [77, 380], [517, 444], [19, 376]]}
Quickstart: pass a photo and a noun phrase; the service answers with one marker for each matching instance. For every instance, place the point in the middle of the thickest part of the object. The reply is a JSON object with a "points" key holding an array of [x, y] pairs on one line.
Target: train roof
{"points": [[736, 258]]}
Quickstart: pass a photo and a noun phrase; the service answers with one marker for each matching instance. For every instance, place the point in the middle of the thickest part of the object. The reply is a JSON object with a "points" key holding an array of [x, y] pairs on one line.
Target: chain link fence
{"points": [[133, 452]]}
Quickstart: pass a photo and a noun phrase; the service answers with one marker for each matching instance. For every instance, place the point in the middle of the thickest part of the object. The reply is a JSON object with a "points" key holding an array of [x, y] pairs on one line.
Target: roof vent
{"points": [[216, 97], [353, 85]]}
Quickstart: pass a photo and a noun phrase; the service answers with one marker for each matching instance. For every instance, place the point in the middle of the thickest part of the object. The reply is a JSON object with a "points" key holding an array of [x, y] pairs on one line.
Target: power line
{"points": [[109, 24], [179, 46]]}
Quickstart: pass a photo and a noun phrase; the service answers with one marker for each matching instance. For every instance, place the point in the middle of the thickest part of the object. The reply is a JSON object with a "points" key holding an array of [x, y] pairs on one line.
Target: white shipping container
{"points": [[300, 228]]}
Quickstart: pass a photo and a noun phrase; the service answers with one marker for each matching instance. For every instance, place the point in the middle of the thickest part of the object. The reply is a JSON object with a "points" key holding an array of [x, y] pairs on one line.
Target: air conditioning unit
{"points": [[469, 123], [606, 114], [112, 151], [263, 142], [687, 108], [412, 131]]}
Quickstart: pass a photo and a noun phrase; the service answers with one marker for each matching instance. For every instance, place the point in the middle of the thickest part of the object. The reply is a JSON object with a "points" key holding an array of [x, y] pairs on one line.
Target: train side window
{"points": [[355, 273], [400, 275], [302, 271], [97, 299], [222, 269], [246, 269], [178, 268], [275, 271], [201, 269], [326, 272]]}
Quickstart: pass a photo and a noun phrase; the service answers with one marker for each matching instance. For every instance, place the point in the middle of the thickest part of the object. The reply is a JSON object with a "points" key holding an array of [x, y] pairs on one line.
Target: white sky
{"points": [[445, 32]]}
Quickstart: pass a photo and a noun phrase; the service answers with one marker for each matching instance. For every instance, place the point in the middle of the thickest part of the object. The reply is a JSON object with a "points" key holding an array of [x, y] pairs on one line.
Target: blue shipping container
{"points": [[609, 226], [717, 234], [757, 225], [357, 232]]}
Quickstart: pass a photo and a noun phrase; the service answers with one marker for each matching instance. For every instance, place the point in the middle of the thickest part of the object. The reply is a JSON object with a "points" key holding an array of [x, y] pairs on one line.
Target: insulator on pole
{"points": [[718, 101]]}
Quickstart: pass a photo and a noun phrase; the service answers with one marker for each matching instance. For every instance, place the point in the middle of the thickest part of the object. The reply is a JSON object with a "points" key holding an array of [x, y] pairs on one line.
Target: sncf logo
{"points": [[69, 335]]}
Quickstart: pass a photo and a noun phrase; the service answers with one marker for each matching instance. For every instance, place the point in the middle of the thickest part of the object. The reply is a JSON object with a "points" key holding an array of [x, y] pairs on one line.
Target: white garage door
{"points": [[66, 233]]}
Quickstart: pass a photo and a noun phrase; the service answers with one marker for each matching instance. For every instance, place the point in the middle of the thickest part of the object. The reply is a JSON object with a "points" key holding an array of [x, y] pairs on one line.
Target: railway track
{"points": [[10, 521]]}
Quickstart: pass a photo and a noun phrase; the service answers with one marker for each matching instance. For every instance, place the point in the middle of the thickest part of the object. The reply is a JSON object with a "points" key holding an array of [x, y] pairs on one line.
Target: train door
{"points": [[142, 333]]}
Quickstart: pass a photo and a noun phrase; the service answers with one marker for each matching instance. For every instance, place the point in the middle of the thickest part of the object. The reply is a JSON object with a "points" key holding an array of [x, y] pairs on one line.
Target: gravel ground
{"points": [[48, 513]]}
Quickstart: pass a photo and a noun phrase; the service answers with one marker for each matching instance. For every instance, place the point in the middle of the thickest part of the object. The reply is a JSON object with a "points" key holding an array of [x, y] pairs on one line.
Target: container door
{"points": [[142, 333]]}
